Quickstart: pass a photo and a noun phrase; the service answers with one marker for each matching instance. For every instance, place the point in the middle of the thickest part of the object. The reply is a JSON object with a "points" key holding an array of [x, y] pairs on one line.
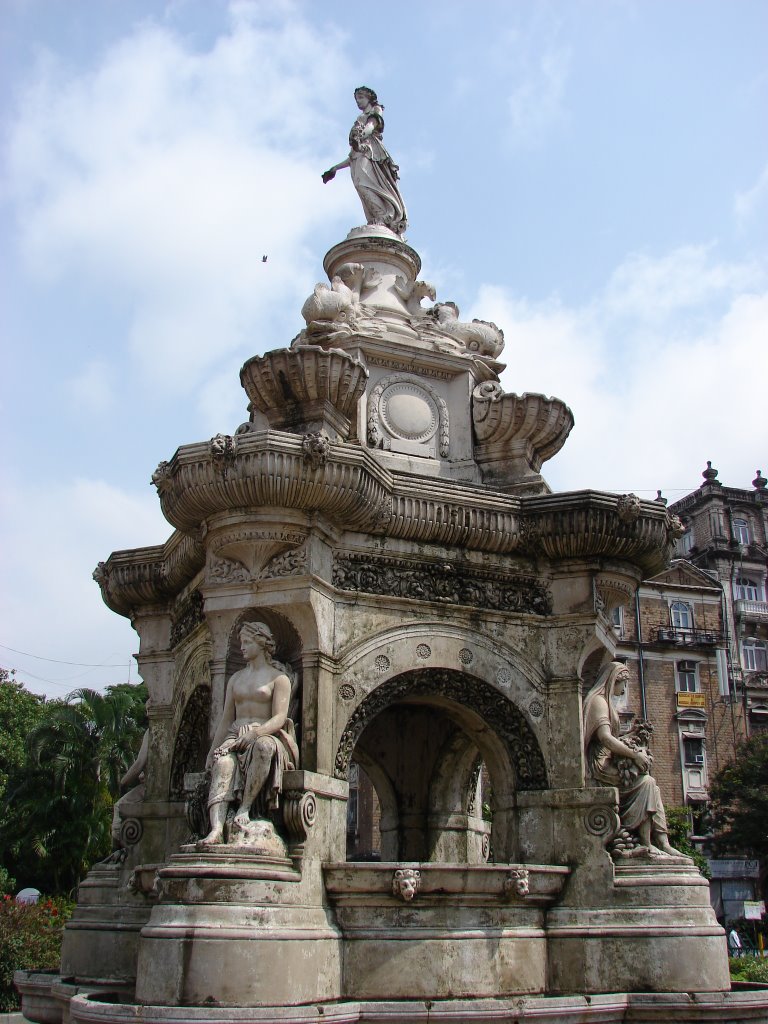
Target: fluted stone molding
{"points": [[306, 388], [589, 524], [352, 490], [515, 434], [270, 469], [130, 579]]}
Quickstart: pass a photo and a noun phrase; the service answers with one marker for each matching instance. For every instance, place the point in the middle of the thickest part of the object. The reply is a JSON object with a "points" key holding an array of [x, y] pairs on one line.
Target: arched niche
{"points": [[424, 732], [191, 744]]}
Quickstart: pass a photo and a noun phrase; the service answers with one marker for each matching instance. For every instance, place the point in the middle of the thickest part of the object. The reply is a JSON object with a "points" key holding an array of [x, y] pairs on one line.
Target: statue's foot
{"points": [[669, 851], [242, 819], [214, 838]]}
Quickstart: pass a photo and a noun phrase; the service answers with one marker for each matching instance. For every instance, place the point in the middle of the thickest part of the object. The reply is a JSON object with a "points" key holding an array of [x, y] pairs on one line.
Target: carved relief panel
{"points": [[407, 415]]}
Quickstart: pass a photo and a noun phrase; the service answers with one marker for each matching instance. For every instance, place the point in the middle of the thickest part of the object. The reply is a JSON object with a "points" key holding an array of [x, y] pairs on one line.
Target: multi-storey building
{"points": [[695, 639], [727, 535]]}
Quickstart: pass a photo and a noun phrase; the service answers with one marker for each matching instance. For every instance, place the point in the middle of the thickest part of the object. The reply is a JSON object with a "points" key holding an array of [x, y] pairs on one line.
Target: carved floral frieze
{"points": [[187, 617], [440, 581]]}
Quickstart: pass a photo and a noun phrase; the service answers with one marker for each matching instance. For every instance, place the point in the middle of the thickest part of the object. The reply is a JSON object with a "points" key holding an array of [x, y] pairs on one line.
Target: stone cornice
{"points": [[351, 490], [150, 575]]}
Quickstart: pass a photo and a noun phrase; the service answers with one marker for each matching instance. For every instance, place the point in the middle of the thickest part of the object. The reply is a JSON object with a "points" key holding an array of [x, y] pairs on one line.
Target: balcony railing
{"points": [[752, 609], [688, 637]]}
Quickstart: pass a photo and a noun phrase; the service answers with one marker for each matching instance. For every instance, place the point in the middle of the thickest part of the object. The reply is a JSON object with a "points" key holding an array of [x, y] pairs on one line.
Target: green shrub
{"points": [[30, 939], [749, 968]]}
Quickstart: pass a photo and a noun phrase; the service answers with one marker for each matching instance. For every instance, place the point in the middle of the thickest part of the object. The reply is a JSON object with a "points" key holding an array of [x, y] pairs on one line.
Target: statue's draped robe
{"points": [[374, 175], [639, 798], [234, 770]]}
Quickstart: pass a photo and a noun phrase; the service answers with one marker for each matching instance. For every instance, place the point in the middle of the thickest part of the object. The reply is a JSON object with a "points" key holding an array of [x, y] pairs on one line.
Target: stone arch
{"points": [[446, 704], [190, 746], [461, 690]]}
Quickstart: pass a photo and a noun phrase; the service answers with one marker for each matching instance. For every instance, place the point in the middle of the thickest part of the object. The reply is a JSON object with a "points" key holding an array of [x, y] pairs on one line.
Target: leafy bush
{"points": [[749, 968], [30, 939], [678, 823]]}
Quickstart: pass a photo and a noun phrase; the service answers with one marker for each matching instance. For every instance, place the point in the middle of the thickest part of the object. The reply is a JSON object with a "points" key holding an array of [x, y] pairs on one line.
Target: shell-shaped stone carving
{"points": [[501, 418], [304, 375]]}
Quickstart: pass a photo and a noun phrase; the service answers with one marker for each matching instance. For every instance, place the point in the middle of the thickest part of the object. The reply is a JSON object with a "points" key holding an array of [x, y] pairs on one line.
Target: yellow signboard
{"points": [[691, 700]]}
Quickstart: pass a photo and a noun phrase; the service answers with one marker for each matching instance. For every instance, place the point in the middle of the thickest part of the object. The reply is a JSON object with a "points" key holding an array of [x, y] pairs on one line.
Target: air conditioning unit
{"points": [[697, 759], [668, 635]]}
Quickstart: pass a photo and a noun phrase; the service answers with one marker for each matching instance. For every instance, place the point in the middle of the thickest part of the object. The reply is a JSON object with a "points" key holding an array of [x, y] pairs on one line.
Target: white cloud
{"points": [[165, 173], [748, 204], [536, 101], [54, 536], [657, 369]]}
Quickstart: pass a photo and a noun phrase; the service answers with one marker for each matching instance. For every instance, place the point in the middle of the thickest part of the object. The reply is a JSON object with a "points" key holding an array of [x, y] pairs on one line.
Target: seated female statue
{"points": [[624, 763], [255, 740]]}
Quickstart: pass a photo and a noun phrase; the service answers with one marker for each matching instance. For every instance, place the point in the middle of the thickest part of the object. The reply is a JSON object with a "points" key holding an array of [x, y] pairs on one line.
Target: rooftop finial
{"points": [[710, 475], [759, 483]]}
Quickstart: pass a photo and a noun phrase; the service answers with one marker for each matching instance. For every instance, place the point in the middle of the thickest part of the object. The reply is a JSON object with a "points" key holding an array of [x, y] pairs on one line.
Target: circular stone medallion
{"points": [[408, 412]]}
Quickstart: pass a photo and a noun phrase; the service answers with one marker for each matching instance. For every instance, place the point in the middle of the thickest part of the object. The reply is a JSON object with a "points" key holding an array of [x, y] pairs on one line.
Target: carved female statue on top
{"points": [[624, 763], [254, 741], [374, 173]]}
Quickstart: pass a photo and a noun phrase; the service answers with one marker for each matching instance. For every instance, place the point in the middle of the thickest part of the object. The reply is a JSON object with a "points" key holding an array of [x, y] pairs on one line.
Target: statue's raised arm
{"points": [[374, 173]]}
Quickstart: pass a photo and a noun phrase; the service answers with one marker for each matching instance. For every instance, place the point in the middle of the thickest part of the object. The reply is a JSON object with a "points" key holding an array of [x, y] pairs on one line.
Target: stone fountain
{"points": [[372, 571]]}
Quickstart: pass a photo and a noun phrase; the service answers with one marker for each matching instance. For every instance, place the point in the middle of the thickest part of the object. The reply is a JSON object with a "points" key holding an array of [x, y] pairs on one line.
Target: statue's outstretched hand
{"points": [[329, 175]]}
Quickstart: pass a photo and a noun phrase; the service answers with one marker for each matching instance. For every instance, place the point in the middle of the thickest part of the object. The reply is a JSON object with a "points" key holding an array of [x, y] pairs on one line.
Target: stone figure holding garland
{"points": [[374, 173], [254, 742], [624, 763]]}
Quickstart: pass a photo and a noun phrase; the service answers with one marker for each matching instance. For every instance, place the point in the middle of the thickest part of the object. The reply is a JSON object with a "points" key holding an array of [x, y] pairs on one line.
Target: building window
{"points": [[681, 615], [685, 672], [617, 620], [745, 589], [741, 531], [686, 541], [754, 655], [693, 751]]}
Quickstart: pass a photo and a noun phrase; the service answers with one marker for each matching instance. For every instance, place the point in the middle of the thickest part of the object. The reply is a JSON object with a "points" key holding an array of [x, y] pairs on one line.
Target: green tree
{"points": [[20, 710], [61, 803], [739, 794]]}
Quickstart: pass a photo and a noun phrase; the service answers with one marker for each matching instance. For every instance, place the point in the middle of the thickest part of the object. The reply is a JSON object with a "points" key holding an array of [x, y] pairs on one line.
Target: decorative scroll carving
{"points": [[493, 707], [432, 581], [316, 448], [602, 821], [188, 616], [131, 832], [191, 744], [517, 882], [299, 814], [290, 563], [406, 882], [227, 570]]}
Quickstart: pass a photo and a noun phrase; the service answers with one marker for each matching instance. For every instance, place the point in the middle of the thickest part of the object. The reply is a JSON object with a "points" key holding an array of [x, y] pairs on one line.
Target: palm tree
{"points": [[62, 803]]}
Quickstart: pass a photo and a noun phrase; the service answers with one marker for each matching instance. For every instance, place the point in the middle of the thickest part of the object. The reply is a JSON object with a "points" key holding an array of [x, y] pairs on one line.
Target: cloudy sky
{"points": [[592, 175]]}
